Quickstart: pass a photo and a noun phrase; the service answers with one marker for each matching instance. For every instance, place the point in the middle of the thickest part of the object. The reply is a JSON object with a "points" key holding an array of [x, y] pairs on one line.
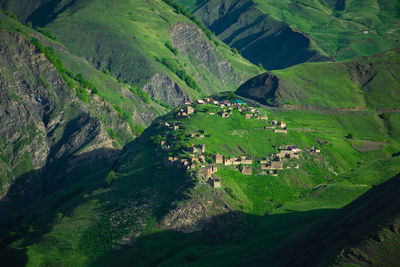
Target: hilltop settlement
{"points": [[195, 159]]}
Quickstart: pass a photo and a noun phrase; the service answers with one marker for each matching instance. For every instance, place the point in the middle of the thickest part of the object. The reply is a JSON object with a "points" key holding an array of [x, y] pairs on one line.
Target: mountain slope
{"points": [[356, 84], [258, 36], [146, 44], [317, 30], [146, 210], [56, 126], [365, 232]]}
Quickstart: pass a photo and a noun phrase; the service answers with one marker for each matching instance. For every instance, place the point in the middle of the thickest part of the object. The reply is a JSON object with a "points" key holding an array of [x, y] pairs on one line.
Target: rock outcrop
{"points": [[189, 41], [163, 88], [46, 132]]}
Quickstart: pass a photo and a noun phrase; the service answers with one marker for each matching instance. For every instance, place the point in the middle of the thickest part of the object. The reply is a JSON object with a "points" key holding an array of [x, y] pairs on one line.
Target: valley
{"points": [[131, 134]]}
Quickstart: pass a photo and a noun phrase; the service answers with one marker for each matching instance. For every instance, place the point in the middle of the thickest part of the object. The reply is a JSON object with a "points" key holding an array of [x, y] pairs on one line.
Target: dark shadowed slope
{"points": [[366, 232], [256, 35]]}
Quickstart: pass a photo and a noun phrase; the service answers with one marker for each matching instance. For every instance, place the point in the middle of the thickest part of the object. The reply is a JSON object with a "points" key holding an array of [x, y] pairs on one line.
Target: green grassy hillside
{"points": [[334, 29], [147, 44], [100, 198], [364, 83], [146, 212]]}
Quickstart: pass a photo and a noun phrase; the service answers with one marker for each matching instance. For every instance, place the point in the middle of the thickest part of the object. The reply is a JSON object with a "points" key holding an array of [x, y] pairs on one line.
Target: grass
{"points": [[316, 31], [274, 207], [339, 33], [132, 34]]}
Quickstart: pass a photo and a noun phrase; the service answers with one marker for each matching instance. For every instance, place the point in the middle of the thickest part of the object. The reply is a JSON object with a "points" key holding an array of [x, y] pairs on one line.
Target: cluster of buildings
{"points": [[185, 112], [277, 127], [194, 157]]}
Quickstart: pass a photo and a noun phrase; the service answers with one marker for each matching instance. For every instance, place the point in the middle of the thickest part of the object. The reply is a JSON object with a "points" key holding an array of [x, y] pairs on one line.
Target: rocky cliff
{"points": [[46, 131]]}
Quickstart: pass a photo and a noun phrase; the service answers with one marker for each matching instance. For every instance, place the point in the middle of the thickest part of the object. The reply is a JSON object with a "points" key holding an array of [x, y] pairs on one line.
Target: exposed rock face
{"points": [[46, 132], [188, 40], [163, 88], [261, 88], [210, 213], [257, 36]]}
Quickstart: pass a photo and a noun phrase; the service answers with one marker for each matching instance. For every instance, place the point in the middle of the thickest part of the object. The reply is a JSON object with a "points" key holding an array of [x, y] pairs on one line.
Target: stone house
{"points": [[269, 127], [273, 172], [200, 101], [224, 115], [284, 131], [189, 110], [247, 170], [217, 183], [281, 124], [262, 118], [315, 150], [245, 160], [219, 159], [248, 116], [293, 148], [277, 165]]}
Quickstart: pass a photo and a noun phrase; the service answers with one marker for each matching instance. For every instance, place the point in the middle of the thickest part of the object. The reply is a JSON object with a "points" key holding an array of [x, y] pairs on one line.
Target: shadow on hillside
{"points": [[223, 241], [35, 197]]}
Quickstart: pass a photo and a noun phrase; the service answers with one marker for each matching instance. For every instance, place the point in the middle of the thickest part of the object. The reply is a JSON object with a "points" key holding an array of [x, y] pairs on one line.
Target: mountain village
{"points": [[194, 157]]}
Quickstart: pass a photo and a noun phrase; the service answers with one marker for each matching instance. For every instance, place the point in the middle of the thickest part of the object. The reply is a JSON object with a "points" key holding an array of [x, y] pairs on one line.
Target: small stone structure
{"points": [[217, 183], [247, 170], [219, 159]]}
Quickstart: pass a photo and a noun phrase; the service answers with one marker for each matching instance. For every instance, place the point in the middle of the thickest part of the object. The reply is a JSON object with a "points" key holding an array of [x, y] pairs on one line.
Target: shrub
{"points": [[165, 105], [140, 93], [106, 71], [234, 50], [10, 14], [82, 94], [136, 128], [47, 33], [110, 177], [384, 116], [349, 136], [171, 48], [59, 217], [111, 133], [181, 73]]}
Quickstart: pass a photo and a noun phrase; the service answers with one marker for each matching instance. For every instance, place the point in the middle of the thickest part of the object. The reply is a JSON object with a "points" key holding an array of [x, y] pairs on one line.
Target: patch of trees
{"points": [[46, 32], [8, 13], [180, 72], [111, 133], [165, 105], [171, 48], [180, 10], [140, 93], [69, 77], [110, 177]]}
